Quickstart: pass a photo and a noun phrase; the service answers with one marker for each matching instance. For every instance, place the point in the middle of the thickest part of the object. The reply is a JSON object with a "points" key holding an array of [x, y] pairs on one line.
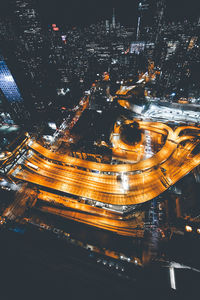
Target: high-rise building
{"points": [[107, 26], [160, 51], [30, 55], [7, 83], [113, 19], [28, 26], [11, 93], [142, 7], [159, 17]]}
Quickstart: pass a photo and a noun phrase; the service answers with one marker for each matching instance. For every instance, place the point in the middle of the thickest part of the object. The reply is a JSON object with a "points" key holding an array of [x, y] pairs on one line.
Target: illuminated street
{"points": [[62, 172]]}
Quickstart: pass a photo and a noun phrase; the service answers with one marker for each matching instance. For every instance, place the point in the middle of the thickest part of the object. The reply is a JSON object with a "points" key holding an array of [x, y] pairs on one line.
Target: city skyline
{"points": [[88, 12]]}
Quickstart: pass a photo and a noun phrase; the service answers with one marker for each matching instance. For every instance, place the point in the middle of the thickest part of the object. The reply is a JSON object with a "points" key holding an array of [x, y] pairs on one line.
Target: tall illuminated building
{"points": [[11, 93], [113, 19], [158, 29], [107, 26], [159, 18], [30, 55], [142, 7], [8, 84]]}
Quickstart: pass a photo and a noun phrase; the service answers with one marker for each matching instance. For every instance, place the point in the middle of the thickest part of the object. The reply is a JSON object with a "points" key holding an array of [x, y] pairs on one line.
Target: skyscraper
{"points": [[107, 26], [159, 17], [158, 31], [31, 55], [11, 92], [113, 19], [142, 6], [8, 84]]}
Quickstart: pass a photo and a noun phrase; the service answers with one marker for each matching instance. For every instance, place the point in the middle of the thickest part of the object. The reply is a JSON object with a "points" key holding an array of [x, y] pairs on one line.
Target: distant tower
{"points": [[107, 26], [113, 19], [142, 6], [160, 12]]}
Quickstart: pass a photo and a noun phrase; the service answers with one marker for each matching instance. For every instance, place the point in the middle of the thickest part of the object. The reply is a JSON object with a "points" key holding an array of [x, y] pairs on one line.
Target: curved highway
{"points": [[105, 183]]}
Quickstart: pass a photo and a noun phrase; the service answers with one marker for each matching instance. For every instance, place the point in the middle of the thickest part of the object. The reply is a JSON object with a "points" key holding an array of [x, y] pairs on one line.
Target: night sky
{"points": [[81, 12]]}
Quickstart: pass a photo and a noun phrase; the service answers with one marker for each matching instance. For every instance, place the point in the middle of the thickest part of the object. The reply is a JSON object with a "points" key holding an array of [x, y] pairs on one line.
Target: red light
{"points": [[64, 108], [127, 51], [55, 28], [53, 25]]}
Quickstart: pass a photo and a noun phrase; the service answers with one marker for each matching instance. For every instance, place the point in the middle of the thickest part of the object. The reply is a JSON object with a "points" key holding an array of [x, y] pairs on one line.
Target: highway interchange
{"points": [[104, 182]]}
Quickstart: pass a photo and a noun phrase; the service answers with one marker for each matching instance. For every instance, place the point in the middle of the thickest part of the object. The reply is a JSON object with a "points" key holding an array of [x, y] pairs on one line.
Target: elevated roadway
{"points": [[104, 182]]}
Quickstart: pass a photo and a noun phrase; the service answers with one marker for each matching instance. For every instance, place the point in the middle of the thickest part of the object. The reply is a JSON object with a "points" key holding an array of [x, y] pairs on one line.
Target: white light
{"points": [[48, 138], [9, 78], [52, 125], [125, 183], [3, 182], [172, 278], [188, 228]]}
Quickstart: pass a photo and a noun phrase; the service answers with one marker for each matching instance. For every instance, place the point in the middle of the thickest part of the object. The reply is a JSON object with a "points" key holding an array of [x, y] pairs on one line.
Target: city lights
{"points": [[188, 228], [9, 78], [100, 145]]}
